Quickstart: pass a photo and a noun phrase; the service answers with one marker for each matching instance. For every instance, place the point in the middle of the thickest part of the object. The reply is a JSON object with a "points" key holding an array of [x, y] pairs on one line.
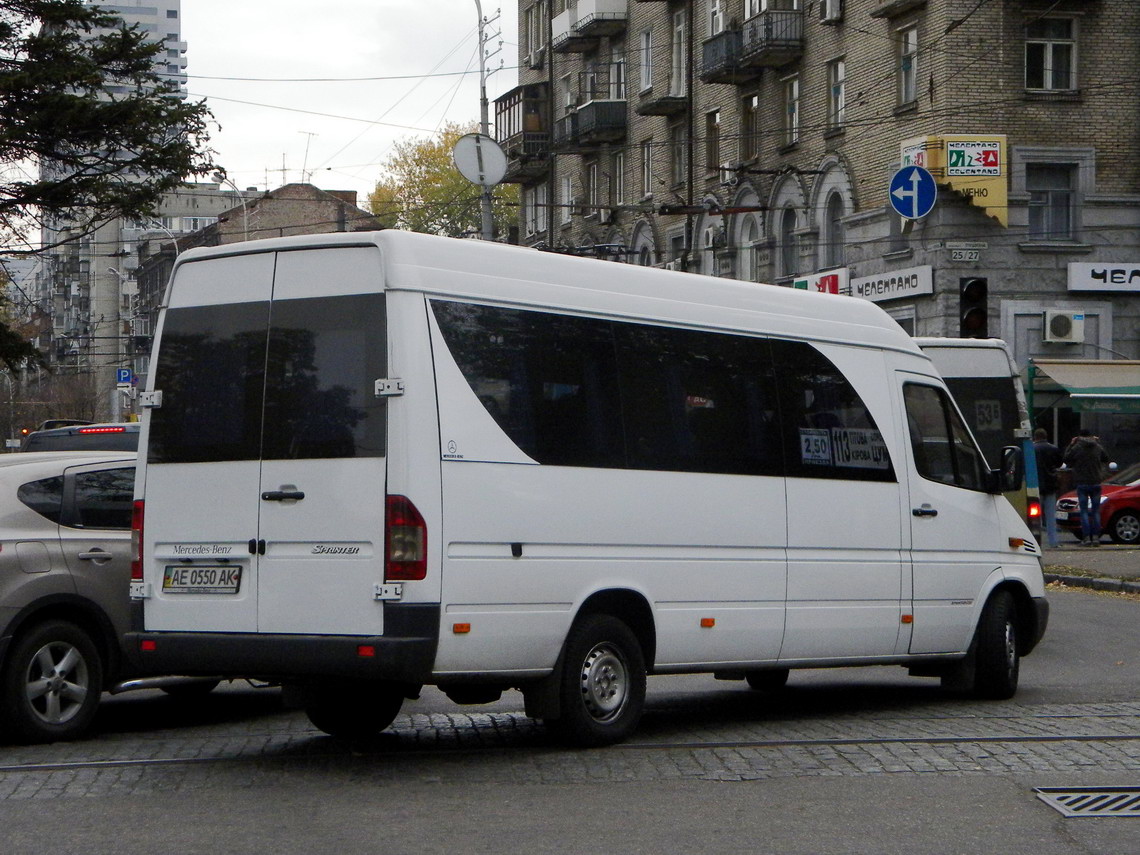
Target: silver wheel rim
{"points": [[604, 682], [1128, 529], [1010, 649], [57, 683]]}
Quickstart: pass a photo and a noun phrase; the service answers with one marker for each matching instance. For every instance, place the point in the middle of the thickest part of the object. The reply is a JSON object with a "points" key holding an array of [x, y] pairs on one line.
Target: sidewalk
{"points": [[1109, 567]]}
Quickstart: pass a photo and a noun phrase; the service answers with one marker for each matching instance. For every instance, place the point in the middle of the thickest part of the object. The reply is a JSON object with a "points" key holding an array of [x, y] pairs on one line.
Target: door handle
{"points": [[95, 555], [925, 511], [282, 495]]}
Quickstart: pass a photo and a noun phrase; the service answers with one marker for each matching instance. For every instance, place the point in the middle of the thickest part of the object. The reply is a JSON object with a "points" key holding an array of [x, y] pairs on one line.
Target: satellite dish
{"points": [[480, 160]]}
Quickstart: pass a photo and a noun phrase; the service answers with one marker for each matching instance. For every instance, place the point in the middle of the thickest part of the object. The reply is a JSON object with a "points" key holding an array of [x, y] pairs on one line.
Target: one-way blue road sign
{"points": [[913, 192]]}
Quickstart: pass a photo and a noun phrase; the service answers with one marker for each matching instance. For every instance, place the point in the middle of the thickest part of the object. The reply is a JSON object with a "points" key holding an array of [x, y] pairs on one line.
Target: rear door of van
{"points": [[265, 460]]}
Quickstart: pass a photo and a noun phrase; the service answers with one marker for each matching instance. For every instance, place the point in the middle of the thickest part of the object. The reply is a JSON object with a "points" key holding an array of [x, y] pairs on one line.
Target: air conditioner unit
{"points": [[1064, 326], [536, 58], [728, 175]]}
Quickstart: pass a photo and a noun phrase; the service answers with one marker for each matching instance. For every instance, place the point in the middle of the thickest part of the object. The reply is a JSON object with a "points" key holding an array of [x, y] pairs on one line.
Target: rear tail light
{"points": [[1033, 511], [405, 541], [136, 541]]}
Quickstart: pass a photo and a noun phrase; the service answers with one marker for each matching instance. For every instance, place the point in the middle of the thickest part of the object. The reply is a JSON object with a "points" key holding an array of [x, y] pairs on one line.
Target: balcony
{"points": [[566, 132], [601, 117], [523, 132], [773, 38], [669, 104], [601, 122], [578, 29], [721, 59]]}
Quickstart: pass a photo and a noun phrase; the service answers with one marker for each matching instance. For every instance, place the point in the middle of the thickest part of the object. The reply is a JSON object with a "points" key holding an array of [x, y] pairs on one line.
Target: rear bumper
{"points": [[406, 653]]}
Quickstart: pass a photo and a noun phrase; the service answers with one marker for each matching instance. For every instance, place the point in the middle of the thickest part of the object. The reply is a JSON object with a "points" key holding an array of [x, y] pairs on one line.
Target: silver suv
{"points": [[64, 571]]}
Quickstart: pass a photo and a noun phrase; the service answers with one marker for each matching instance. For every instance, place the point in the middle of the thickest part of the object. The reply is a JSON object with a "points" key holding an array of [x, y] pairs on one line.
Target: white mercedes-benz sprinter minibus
{"points": [[375, 461]]}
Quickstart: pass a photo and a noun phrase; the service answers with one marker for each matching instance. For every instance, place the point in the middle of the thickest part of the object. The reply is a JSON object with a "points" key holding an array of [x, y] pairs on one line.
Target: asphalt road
{"points": [[1120, 562], [842, 761]]}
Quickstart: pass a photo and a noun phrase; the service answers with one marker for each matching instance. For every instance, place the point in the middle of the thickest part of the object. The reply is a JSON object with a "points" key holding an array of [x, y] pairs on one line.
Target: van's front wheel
{"points": [[353, 711], [602, 690], [997, 663]]}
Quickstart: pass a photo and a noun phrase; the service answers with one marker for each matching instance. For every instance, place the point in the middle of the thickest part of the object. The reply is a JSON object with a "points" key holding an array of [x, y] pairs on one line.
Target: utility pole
{"points": [[488, 221]]}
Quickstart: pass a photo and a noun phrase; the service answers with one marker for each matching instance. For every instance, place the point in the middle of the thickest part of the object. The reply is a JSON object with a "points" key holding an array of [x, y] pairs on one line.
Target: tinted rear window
{"points": [[125, 441]]}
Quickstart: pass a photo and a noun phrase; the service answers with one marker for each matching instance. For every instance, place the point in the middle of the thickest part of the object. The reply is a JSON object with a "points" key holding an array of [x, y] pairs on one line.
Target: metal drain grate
{"points": [[1092, 801]]}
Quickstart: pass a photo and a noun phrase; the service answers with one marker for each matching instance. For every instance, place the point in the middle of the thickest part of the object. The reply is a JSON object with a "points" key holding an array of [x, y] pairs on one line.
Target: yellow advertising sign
{"points": [[974, 165]]}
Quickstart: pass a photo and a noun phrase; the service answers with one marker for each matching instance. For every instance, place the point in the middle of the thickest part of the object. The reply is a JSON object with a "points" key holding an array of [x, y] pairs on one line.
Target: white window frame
{"points": [[678, 55], [567, 200], [712, 139], [716, 17], [617, 180], [908, 64], [790, 87], [646, 168], [836, 94], [1050, 46], [1049, 201], [646, 63]]}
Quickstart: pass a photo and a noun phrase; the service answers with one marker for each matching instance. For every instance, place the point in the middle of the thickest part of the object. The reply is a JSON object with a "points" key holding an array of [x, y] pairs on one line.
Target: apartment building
{"points": [[760, 139]]}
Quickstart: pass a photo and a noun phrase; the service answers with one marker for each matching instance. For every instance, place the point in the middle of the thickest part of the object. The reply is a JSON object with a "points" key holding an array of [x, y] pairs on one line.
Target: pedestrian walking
{"points": [[1049, 460], [1087, 460]]}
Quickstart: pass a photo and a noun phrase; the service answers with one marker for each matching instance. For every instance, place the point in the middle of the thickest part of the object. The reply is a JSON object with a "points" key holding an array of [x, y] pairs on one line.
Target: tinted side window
{"points": [[828, 430], [943, 450], [697, 401], [211, 371], [103, 499], [548, 380], [45, 497], [325, 355]]}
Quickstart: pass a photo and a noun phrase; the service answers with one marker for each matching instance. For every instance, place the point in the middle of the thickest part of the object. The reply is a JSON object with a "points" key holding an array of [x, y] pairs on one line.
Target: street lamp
{"points": [[155, 224], [221, 178]]}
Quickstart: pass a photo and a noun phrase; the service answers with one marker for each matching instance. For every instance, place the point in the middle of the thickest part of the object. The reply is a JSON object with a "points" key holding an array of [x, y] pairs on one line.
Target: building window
{"points": [[712, 140], [678, 54], [834, 254], [617, 180], [908, 65], [716, 17], [791, 110], [836, 96], [1050, 189], [789, 254], [750, 128], [646, 63], [534, 209], [567, 200], [534, 29], [647, 168], [677, 152], [749, 237], [1050, 54]]}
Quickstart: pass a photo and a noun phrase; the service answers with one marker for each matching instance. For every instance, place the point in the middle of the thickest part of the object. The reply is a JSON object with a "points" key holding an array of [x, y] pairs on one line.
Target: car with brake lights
{"points": [[1119, 508]]}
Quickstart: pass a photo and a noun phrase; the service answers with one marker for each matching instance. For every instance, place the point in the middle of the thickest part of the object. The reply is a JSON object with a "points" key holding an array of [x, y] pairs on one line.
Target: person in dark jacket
{"points": [[1087, 460], [1049, 460]]}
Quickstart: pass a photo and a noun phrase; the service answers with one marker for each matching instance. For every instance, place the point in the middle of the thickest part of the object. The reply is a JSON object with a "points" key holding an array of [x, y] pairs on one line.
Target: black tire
{"points": [[357, 711], [191, 689], [997, 662], [51, 684], [1124, 527], [602, 684], [767, 681]]}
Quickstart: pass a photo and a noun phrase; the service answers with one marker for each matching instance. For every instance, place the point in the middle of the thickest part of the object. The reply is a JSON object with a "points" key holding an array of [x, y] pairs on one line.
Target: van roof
{"points": [[506, 273]]}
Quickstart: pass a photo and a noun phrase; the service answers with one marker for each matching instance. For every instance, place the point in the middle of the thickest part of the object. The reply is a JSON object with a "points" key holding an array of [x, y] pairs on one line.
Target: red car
{"points": [[1119, 507]]}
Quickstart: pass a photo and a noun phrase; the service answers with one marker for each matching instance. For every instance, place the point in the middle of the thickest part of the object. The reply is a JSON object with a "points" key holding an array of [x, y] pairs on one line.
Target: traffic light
{"points": [[973, 322]]}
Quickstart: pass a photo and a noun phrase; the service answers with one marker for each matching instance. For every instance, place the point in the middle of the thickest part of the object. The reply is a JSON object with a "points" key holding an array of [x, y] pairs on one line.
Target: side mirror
{"points": [[1011, 475]]}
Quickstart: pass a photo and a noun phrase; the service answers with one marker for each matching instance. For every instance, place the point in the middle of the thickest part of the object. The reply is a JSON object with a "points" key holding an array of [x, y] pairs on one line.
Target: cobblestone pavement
{"points": [[739, 741]]}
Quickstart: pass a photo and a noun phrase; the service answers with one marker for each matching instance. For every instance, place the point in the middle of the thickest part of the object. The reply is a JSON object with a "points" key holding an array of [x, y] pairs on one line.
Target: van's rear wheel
{"points": [[602, 685], [353, 711], [51, 684], [997, 662]]}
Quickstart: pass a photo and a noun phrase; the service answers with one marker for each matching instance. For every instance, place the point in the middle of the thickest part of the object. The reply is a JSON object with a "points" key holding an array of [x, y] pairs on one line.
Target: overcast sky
{"points": [[341, 131]]}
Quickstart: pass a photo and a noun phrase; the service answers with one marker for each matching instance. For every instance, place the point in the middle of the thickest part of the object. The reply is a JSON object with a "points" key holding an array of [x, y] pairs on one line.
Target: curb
{"points": [[1098, 583]]}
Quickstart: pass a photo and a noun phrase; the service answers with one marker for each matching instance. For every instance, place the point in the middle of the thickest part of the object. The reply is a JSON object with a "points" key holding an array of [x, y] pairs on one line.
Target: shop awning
{"points": [[1097, 385]]}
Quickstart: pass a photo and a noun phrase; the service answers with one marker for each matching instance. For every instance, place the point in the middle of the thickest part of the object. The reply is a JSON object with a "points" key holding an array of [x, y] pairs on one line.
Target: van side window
{"points": [[324, 356], [828, 430], [103, 499], [698, 402], [45, 497], [548, 380], [943, 448]]}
